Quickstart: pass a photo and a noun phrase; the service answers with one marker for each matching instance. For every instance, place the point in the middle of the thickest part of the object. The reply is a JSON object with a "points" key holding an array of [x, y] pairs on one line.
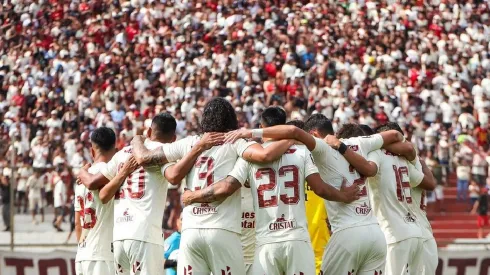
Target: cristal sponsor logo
{"points": [[204, 209], [363, 210], [126, 217], [409, 218], [281, 224]]}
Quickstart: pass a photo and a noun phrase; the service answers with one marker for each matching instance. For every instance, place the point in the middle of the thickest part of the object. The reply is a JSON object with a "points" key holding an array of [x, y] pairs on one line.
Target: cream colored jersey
{"points": [[333, 168], [248, 225], [212, 166], [391, 196], [419, 206], [97, 221], [140, 201], [278, 194]]}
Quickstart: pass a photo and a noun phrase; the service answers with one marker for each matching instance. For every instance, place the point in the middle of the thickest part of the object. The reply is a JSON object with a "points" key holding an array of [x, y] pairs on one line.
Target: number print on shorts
{"points": [[131, 190], [402, 186], [207, 174], [272, 183]]}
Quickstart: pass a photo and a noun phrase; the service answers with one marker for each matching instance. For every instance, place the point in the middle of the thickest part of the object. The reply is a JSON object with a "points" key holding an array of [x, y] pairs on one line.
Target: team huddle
{"points": [[245, 199]]}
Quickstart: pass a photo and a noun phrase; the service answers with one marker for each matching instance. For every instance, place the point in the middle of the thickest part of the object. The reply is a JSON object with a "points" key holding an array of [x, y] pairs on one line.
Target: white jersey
{"points": [[140, 201], [248, 225], [97, 221], [212, 166], [391, 195], [419, 206], [278, 193], [333, 168]]}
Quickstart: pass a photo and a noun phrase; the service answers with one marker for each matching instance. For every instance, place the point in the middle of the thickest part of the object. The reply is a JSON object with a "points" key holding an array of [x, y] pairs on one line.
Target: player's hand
{"points": [[86, 166], [209, 140], [130, 165], [333, 141], [351, 193], [186, 197], [233, 136]]}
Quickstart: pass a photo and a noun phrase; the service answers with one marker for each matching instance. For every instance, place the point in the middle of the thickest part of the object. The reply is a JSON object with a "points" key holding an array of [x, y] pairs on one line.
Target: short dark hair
{"points": [[350, 130], [367, 130], [298, 123], [273, 116], [320, 123], [389, 126], [218, 116], [163, 126], [104, 138]]}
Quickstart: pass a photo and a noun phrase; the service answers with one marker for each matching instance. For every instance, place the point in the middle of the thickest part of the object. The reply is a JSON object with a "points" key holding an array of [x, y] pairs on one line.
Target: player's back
{"points": [[359, 212], [278, 196], [140, 201], [212, 166], [97, 221], [390, 194]]}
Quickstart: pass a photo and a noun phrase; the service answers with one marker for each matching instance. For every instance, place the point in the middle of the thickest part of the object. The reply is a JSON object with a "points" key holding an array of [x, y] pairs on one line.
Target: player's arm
{"points": [[328, 192], [428, 181], [404, 149], [359, 163], [91, 181], [146, 157], [216, 192], [78, 226], [110, 189], [276, 132], [176, 173], [391, 136], [257, 154]]}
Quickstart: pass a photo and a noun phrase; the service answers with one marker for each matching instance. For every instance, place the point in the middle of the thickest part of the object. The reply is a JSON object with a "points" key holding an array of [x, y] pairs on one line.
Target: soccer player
{"points": [[210, 231], [430, 257], [93, 219], [347, 220], [139, 201], [390, 192], [282, 240]]}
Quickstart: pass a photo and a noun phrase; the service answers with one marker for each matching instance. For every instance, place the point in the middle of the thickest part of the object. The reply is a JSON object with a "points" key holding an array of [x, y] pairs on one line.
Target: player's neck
{"points": [[103, 158]]}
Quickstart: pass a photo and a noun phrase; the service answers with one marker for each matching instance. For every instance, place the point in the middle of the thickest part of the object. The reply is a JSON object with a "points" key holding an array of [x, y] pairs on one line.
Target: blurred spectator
{"points": [[34, 186], [481, 208], [474, 192], [463, 174]]}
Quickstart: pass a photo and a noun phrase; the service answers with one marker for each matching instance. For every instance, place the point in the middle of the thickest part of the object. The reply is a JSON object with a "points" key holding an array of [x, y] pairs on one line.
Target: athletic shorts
{"points": [[482, 221], [288, 258], [362, 249], [404, 257], [36, 201], [133, 257], [430, 258], [205, 251], [94, 268]]}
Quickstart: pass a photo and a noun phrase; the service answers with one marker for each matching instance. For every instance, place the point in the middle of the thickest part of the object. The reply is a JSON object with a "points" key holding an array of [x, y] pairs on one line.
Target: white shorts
{"points": [[288, 258], [362, 249], [94, 268], [204, 251], [133, 257], [404, 257], [35, 201], [430, 258]]}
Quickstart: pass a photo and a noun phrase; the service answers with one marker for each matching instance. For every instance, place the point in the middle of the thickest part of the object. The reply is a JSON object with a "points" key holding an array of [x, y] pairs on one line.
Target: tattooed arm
{"points": [[146, 157], [216, 192]]}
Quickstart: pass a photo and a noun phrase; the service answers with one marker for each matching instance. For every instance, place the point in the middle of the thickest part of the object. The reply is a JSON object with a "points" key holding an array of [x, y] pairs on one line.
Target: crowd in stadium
{"points": [[68, 67]]}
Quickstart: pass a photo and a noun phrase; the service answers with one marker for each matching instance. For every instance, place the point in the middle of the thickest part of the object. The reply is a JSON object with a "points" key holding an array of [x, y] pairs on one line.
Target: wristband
{"points": [[257, 133], [342, 148]]}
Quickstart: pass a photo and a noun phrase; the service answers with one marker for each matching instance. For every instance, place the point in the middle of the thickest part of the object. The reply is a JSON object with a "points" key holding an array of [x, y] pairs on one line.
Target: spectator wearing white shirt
{"points": [[60, 199], [34, 186]]}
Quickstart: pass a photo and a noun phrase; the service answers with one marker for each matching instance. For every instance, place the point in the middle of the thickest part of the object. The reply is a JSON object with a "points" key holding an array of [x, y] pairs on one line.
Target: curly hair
{"points": [[218, 116], [389, 126], [298, 123], [367, 130], [350, 130]]}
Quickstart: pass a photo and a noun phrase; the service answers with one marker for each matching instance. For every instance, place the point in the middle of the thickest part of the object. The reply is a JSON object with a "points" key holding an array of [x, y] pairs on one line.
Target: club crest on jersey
{"points": [[126, 217], [363, 210], [281, 224], [409, 218], [204, 209]]}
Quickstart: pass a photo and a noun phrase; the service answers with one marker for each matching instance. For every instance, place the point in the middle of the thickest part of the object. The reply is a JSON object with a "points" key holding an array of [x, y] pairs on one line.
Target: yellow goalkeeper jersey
{"points": [[316, 215]]}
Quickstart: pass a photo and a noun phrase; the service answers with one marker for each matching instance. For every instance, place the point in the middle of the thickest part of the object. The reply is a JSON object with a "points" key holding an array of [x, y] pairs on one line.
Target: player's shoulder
{"points": [[96, 167]]}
